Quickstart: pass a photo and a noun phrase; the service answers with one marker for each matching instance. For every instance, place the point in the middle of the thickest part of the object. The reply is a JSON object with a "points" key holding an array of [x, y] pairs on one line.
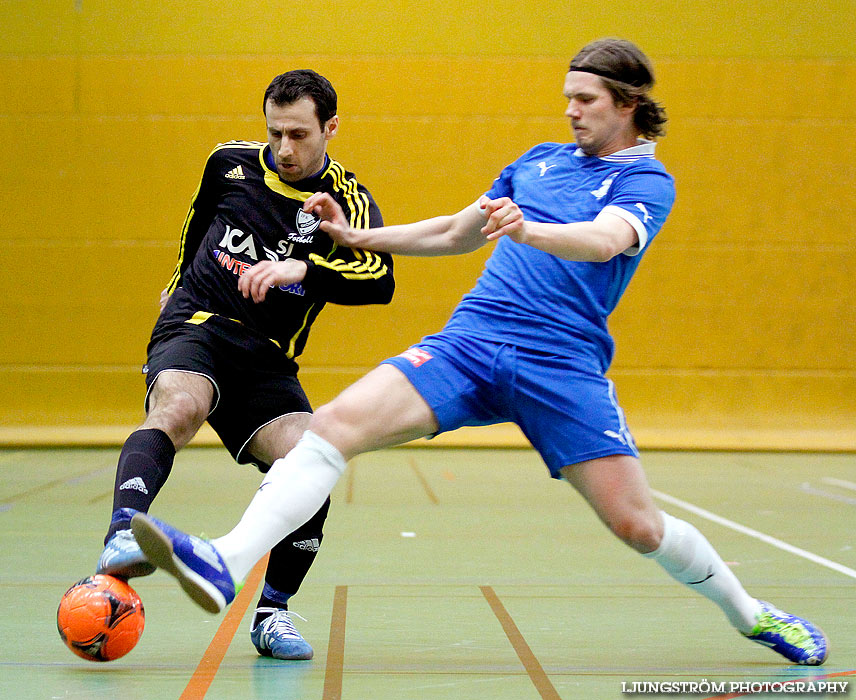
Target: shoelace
{"points": [[279, 623], [124, 539], [792, 632]]}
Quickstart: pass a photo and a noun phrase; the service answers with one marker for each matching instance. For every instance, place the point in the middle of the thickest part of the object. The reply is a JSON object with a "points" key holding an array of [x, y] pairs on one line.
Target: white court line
{"points": [[823, 561], [832, 481]]}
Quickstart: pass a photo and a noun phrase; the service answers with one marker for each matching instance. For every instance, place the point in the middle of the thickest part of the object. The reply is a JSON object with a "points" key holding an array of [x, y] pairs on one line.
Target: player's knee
{"points": [[331, 419], [341, 425], [639, 532], [180, 414]]}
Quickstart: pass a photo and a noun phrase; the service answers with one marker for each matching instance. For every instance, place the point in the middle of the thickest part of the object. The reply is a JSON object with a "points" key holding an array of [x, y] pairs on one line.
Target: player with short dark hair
{"points": [[290, 87], [529, 344], [253, 273]]}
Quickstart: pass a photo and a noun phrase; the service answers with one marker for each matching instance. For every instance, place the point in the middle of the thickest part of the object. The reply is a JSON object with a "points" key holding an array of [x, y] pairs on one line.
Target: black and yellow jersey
{"points": [[243, 213]]}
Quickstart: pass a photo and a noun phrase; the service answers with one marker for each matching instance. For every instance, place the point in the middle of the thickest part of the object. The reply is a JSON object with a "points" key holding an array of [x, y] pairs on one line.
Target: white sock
{"points": [[292, 492], [689, 558]]}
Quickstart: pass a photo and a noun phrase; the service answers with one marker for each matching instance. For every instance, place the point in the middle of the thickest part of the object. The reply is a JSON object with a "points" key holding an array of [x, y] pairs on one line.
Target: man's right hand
{"points": [[333, 221]]}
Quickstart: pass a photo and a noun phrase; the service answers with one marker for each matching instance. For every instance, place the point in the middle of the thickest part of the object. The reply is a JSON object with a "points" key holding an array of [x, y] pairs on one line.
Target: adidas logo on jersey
{"points": [[136, 483], [312, 545], [236, 173]]}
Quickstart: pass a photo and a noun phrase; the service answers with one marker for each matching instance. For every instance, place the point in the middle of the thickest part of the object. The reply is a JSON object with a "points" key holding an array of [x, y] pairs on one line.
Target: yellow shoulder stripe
{"points": [[358, 202]]}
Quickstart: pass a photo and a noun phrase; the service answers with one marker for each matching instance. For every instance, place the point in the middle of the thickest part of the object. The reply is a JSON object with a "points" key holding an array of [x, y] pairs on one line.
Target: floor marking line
{"points": [[817, 559], [100, 497], [33, 490], [422, 480], [336, 646], [47, 485], [530, 662], [843, 483], [812, 491], [210, 662], [349, 483], [807, 679], [83, 478]]}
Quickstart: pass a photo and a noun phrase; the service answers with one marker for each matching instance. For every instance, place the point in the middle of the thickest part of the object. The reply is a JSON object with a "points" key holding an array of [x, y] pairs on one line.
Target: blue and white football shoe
{"points": [[122, 555], [275, 635], [795, 638], [194, 562]]}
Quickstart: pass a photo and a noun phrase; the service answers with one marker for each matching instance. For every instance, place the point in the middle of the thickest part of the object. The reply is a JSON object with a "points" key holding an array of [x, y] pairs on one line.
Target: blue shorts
{"points": [[565, 406]]}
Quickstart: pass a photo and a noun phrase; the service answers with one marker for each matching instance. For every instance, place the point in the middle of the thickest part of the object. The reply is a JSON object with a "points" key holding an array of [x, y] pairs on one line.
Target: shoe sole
{"points": [[295, 657], [267, 652], [819, 662], [157, 546], [306, 656], [825, 649], [131, 571]]}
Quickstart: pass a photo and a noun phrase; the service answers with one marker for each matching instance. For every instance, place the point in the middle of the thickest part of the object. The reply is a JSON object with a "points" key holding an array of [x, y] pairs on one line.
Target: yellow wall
{"points": [[740, 318]]}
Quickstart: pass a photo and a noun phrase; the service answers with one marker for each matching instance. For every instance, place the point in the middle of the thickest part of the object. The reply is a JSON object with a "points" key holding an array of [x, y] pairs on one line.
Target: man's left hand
{"points": [[261, 277]]}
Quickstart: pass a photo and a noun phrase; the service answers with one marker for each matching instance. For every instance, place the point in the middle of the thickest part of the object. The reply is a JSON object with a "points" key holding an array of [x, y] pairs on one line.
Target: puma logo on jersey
{"points": [[236, 174], [544, 167], [645, 214]]}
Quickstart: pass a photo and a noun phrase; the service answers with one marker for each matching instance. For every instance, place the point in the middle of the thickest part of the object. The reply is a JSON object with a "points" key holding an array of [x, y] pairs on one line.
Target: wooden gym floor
{"points": [[445, 574]]}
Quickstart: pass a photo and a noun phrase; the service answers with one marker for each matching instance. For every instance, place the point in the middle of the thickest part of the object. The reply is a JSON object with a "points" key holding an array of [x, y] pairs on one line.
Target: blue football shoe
{"points": [[194, 562], [795, 638], [122, 555], [277, 636]]}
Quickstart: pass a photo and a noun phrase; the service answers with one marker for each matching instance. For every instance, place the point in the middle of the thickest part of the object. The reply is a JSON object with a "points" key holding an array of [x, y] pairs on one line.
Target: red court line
{"points": [[336, 646], [787, 682], [208, 666], [536, 673]]}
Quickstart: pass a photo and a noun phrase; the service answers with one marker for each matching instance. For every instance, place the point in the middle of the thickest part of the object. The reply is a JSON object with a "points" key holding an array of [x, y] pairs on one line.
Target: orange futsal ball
{"points": [[100, 618]]}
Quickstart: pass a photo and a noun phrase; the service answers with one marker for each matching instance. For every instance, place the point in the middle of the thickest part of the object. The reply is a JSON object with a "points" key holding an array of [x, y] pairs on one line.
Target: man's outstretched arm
{"points": [[441, 235]]}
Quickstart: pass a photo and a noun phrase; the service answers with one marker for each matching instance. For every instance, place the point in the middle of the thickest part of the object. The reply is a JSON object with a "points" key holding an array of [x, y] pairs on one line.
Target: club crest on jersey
{"points": [[307, 224]]}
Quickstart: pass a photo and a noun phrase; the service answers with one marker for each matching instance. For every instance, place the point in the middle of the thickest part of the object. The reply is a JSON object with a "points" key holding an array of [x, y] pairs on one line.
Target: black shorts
{"points": [[254, 382]]}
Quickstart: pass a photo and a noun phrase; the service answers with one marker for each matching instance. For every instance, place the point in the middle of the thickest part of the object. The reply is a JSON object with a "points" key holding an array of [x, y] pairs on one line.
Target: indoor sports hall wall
{"points": [[737, 331]]}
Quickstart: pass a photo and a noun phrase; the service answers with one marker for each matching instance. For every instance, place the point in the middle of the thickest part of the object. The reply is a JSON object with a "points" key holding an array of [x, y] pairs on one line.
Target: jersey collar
{"points": [[642, 149], [305, 188]]}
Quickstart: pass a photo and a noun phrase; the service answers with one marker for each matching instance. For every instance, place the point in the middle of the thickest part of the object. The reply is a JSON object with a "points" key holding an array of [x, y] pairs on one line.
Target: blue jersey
{"points": [[532, 299]]}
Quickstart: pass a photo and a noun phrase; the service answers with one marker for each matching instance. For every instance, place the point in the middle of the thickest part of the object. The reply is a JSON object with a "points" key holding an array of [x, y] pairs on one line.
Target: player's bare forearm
{"points": [[255, 282], [442, 235], [586, 241]]}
